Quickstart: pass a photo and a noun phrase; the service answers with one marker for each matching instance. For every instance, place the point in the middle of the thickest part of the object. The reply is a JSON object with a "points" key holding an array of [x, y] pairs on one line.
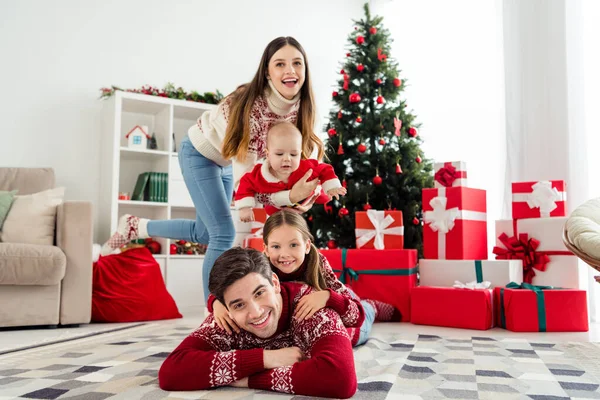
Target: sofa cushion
{"points": [[6, 200], [32, 218], [27, 264]]}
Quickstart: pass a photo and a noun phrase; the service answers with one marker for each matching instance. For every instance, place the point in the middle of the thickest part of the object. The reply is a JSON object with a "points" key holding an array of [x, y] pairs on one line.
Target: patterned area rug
{"points": [[124, 365]]}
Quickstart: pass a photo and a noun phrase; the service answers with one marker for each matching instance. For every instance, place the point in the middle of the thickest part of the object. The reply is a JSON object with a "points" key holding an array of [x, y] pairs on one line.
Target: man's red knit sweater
{"points": [[210, 357]]}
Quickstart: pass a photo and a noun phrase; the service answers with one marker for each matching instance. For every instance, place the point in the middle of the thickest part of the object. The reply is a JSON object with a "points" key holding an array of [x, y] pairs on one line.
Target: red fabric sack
{"points": [[129, 287]]}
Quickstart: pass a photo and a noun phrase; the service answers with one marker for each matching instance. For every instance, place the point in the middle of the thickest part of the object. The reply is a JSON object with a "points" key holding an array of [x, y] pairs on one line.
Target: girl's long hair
{"points": [[237, 135], [313, 276]]}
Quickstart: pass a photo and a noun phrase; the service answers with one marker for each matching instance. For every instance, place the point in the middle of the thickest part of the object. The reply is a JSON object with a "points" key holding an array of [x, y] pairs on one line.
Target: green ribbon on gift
{"points": [[541, 305], [478, 271], [347, 271]]}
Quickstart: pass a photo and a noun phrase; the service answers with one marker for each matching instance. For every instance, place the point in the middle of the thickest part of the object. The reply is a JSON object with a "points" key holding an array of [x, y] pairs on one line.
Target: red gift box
{"points": [[455, 224], [453, 307], [379, 229], [541, 310], [260, 217], [539, 199], [384, 275], [255, 239], [254, 243]]}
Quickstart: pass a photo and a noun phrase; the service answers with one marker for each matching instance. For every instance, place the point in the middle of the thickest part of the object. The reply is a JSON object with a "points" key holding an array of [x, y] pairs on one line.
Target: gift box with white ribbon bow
{"points": [[455, 224], [539, 199], [447, 272], [379, 230]]}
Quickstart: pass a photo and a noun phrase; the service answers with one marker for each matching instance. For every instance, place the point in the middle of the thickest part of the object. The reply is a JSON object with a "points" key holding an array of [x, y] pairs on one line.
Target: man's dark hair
{"points": [[235, 264]]}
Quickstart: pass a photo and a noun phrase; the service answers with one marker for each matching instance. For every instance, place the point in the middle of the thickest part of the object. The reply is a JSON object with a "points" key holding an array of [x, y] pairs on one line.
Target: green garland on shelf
{"points": [[169, 91]]}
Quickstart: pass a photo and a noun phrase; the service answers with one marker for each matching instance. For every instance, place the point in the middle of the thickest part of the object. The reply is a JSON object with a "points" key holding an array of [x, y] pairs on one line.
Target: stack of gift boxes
{"points": [[532, 285]]}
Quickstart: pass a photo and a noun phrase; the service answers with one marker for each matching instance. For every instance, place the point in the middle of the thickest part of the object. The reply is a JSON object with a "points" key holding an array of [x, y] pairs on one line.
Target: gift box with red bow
{"points": [[450, 174], [446, 272], [384, 275], [539, 199], [455, 224], [460, 307], [538, 243], [379, 230], [532, 308]]}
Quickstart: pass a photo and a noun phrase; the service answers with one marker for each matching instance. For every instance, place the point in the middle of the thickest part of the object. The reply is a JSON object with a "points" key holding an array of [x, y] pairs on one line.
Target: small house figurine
{"points": [[138, 137]]}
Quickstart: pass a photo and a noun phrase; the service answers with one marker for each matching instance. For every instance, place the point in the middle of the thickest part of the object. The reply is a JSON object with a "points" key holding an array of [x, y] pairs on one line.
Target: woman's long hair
{"points": [[313, 276], [237, 135]]}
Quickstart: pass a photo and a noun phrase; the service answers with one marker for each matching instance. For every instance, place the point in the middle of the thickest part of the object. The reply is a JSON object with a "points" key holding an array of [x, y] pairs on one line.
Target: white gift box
{"points": [[460, 173], [446, 272], [562, 270]]}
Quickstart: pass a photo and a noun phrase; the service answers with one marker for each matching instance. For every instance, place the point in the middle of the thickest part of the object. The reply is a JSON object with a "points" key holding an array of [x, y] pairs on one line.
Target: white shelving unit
{"points": [[121, 167]]}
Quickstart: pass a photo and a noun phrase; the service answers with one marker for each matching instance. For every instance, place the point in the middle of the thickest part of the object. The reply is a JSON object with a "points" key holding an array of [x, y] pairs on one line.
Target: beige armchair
{"points": [[47, 284]]}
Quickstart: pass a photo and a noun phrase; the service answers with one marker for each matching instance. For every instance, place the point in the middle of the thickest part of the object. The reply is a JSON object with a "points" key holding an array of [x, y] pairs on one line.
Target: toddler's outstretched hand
{"points": [[337, 192], [246, 214]]}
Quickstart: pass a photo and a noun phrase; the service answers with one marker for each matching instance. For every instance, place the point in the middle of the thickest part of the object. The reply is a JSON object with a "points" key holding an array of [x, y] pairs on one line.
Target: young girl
{"points": [[282, 168], [294, 257], [226, 142]]}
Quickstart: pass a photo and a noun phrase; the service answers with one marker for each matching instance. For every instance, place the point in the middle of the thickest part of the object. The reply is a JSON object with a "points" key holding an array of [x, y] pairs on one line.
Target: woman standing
{"points": [[226, 143]]}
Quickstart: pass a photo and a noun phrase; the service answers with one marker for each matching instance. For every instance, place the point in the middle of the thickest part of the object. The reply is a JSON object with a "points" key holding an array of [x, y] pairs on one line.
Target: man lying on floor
{"points": [[273, 351]]}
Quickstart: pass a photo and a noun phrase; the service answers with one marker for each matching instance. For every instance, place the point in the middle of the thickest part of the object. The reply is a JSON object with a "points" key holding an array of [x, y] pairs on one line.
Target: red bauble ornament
{"points": [[418, 159], [416, 221], [377, 180], [379, 81], [412, 131], [153, 246], [331, 132], [361, 148], [373, 30], [331, 244], [360, 68], [181, 242], [334, 94], [173, 248], [348, 54], [340, 150], [366, 207], [398, 169], [344, 183], [359, 119], [342, 72], [340, 115], [397, 82], [380, 100], [354, 98], [189, 252], [360, 39], [310, 218], [343, 212], [382, 141]]}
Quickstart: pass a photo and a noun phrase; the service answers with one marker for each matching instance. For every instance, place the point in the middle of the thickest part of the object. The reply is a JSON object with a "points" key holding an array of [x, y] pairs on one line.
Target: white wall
{"points": [[56, 55], [451, 54]]}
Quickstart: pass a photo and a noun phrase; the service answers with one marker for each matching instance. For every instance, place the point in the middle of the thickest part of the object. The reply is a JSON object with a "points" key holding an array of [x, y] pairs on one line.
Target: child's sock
{"points": [[385, 312]]}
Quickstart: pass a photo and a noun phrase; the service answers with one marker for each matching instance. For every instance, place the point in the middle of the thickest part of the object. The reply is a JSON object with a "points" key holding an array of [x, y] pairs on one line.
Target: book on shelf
{"points": [[151, 186]]}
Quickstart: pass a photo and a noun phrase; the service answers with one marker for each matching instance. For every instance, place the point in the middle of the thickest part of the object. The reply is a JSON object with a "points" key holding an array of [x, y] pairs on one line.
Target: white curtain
{"points": [[590, 81]]}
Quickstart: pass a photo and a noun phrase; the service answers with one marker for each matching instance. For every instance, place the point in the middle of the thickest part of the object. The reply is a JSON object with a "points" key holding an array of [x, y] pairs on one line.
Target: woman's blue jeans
{"points": [[211, 190]]}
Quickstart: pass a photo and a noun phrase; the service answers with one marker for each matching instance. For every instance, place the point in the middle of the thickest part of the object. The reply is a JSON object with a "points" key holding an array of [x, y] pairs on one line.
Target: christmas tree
{"points": [[373, 142]]}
